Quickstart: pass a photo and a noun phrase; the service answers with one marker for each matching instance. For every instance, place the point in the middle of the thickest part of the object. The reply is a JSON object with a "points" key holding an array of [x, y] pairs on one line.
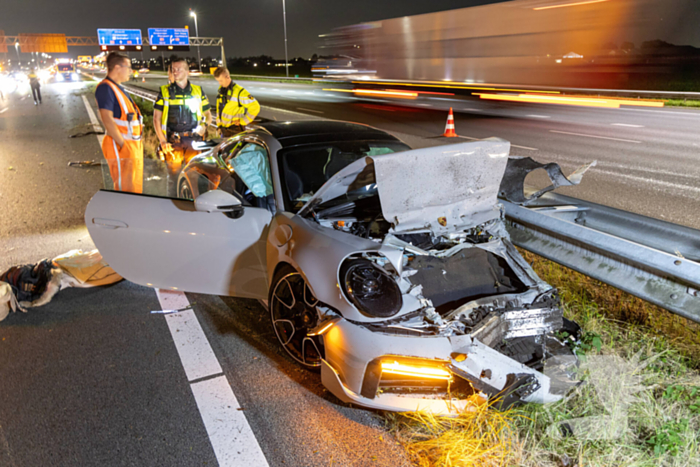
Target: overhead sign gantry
{"points": [[120, 39], [169, 38]]}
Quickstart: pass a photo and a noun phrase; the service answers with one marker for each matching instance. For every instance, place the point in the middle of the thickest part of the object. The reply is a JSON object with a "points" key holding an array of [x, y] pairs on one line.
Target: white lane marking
{"points": [[472, 110], [524, 147], [229, 432], [627, 125], [564, 160], [651, 181], [687, 114], [231, 437], [3, 110], [424, 105], [196, 354], [309, 110], [514, 145], [95, 123], [594, 136], [538, 116]]}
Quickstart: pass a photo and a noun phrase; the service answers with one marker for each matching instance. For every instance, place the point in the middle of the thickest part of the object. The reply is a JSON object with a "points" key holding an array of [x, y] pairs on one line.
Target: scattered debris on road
{"points": [[33, 285], [84, 164]]}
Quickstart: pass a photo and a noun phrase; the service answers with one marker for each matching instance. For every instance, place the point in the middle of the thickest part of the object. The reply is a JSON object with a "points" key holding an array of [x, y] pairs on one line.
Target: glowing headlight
{"points": [[59, 77], [416, 371], [370, 288], [74, 76]]}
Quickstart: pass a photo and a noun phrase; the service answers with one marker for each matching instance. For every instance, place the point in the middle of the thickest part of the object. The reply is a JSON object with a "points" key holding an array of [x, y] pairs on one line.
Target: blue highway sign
{"points": [[168, 36], [119, 36]]}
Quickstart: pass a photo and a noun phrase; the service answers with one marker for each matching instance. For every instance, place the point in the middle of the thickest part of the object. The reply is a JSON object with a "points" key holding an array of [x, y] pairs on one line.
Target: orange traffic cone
{"points": [[143, 79], [450, 127]]}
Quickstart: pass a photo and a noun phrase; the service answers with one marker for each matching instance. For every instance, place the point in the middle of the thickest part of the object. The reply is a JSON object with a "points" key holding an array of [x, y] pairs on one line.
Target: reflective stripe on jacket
{"points": [[194, 102], [235, 107], [130, 123]]}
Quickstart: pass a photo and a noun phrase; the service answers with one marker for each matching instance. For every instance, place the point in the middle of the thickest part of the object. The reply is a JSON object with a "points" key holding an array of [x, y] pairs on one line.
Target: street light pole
{"points": [[196, 31], [17, 50], [286, 58]]}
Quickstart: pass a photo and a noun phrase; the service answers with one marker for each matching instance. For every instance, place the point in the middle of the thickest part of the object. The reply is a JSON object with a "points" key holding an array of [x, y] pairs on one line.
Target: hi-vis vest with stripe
{"points": [[236, 107], [194, 102], [130, 123]]}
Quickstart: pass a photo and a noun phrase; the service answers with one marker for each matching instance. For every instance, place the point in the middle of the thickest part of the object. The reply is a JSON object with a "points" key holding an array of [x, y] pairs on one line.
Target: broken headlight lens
{"points": [[370, 288]]}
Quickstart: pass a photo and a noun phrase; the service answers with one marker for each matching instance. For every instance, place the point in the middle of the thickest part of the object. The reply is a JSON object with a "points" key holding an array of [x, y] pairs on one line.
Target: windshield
{"points": [[65, 67], [305, 169]]}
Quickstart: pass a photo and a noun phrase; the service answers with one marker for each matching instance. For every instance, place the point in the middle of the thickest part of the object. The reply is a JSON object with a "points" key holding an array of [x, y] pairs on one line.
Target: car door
{"points": [[166, 243]]}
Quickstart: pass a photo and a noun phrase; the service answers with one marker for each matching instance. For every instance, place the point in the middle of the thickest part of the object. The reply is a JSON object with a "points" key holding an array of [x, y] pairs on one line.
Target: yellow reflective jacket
{"points": [[235, 106], [196, 102]]}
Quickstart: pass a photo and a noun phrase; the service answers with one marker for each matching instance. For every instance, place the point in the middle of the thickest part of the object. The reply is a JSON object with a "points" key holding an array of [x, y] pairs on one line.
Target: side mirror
{"points": [[219, 201]]}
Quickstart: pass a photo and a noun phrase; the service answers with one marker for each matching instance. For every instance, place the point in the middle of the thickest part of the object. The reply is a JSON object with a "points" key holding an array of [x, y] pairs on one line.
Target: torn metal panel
{"points": [[468, 175], [513, 184]]}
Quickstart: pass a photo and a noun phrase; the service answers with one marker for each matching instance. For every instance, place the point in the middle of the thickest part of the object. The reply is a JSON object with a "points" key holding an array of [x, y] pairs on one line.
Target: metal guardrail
{"points": [[654, 260], [141, 92]]}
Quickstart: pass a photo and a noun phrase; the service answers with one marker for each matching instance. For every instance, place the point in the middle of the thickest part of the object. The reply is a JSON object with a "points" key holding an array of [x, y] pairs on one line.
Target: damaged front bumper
{"points": [[437, 374]]}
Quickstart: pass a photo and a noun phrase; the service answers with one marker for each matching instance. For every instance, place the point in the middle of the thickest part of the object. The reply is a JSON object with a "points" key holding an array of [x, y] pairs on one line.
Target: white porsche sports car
{"points": [[390, 269]]}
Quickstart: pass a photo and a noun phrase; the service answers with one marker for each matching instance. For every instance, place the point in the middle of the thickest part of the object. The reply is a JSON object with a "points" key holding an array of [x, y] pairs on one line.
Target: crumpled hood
{"points": [[440, 188]]}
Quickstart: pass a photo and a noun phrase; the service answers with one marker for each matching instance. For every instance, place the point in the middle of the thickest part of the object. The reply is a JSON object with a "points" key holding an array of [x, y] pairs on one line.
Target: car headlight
{"points": [[370, 288], [59, 77], [74, 76]]}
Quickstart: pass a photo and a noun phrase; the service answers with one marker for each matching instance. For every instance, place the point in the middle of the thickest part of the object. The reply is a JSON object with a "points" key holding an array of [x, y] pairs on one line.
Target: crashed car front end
{"points": [[432, 304]]}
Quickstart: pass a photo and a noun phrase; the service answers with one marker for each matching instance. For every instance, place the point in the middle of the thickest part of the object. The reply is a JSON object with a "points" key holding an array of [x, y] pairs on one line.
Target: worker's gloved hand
{"points": [[202, 132]]}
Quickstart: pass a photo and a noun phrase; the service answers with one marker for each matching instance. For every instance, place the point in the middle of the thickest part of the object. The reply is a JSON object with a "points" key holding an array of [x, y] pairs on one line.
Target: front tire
{"points": [[293, 314]]}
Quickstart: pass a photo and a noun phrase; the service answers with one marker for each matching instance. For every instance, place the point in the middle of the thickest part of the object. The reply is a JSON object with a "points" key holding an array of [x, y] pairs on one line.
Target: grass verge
{"points": [[681, 103], [660, 423], [150, 141]]}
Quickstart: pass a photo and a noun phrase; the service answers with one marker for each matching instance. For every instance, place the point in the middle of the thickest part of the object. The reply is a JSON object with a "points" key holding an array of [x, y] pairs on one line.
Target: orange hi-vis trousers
{"points": [[125, 164]]}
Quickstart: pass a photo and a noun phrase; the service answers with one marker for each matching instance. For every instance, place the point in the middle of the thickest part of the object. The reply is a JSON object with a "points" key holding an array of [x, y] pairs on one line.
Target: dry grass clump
{"points": [[479, 436], [656, 354]]}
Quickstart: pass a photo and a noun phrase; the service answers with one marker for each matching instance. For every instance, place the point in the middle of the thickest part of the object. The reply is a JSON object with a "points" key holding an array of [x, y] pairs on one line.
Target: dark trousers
{"points": [[36, 93], [177, 160], [227, 132]]}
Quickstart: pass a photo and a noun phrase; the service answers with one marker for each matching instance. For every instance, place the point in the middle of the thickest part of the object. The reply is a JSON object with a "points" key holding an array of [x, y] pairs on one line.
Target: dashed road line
{"points": [[597, 137], [524, 147], [514, 145], [3, 110], [229, 432], [627, 125], [538, 116], [309, 110]]}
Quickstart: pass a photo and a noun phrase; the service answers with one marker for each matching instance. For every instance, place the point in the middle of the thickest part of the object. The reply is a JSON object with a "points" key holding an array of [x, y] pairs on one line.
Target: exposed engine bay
{"points": [[443, 266]]}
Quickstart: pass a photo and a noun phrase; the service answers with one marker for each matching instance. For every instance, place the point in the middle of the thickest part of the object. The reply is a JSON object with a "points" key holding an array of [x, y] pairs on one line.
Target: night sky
{"points": [[249, 27]]}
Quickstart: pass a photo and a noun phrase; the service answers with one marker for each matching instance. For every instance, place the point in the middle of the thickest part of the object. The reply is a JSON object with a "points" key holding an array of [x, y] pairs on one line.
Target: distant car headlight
{"points": [[370, 288]]}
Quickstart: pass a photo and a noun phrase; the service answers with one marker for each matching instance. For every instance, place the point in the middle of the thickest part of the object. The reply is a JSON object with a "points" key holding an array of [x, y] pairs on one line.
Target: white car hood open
{"points": [[440, 188]]}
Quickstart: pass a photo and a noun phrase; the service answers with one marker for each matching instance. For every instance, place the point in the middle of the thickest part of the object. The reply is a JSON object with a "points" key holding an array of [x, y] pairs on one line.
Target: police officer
{"points": [[235, 107], [180, 117]]}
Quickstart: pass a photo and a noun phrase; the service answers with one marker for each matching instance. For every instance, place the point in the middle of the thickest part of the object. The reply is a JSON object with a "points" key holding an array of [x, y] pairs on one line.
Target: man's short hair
{"points": [[220, 71], [178, 60], [114, 59]]}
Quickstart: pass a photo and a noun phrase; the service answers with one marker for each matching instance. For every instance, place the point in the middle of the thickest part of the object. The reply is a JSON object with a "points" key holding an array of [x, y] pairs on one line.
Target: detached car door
{"points": [[166, 243]]}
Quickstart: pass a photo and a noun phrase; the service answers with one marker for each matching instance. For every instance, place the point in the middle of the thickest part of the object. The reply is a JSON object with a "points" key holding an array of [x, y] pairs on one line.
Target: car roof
{"points": [[319, 131]]}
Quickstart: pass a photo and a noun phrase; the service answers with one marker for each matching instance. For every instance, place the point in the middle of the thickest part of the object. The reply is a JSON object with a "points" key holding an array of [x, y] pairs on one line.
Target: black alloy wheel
{"points": [[293, 313]]}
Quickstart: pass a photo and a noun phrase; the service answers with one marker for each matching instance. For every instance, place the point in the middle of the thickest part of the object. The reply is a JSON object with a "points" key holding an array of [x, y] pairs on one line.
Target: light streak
{"points": [[569, 4], [583, 101]]}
